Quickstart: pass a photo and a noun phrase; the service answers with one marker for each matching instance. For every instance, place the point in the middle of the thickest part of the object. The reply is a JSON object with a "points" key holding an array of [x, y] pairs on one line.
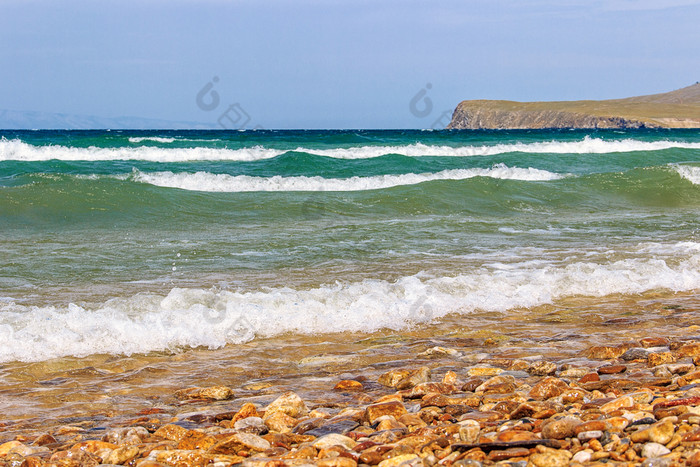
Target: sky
{"points": [[335, 63]]}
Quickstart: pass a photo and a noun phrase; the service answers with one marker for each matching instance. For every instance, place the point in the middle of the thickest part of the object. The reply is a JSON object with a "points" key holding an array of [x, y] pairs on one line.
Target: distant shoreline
{"points": [[675, 109]]}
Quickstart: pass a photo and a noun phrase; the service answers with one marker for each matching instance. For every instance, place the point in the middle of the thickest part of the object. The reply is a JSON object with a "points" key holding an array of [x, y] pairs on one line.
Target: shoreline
{"points": [[654, 357]]}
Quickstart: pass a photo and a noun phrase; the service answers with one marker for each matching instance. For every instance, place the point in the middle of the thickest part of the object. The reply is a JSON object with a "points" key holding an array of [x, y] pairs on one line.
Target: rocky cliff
{"points": [[675, 109]]}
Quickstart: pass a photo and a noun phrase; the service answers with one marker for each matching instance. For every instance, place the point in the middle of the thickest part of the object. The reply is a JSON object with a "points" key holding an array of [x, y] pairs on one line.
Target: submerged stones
{"points": [[541, 414]]}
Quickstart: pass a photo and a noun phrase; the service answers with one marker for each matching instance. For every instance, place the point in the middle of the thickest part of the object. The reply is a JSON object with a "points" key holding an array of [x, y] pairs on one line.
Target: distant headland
{"points": [[675, 109]]}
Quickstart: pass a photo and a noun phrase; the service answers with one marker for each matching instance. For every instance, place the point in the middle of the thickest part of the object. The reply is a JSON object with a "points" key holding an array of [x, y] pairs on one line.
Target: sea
{"points": [[178, 250]]}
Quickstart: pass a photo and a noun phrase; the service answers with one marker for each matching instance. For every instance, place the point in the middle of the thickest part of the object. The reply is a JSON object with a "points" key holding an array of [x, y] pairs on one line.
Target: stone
{"points": [[46, 438], [652, 450], [689, 350], [247, 410], [574, 373], [394, 408], [334, 439], [398, 460], [196, 440], [635, 353], [217, 393], [121, 455], [178, 457], [593, 425], [253, 425], [280, 422], [5, 448], [392, 378], [624, 402], [547, 388], [348, 385], [503, 454], [588, 435], [484, 371], [495, 382], [582, 457], [339, 426], [561, 428], [660, 358], [171, 432], [421, 375], [78, 458], [288, 404], [542, 368], [606, 352], [589, 377], [654, 342], [241, 442], [340, 461], [547, 457], [469, 431], [660, 432], [450, 378], [611, 369]]}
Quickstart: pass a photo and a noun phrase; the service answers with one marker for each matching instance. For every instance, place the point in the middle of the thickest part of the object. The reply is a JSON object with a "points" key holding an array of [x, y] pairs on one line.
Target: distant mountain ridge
{"points": [[29, 120], [675, 109]]}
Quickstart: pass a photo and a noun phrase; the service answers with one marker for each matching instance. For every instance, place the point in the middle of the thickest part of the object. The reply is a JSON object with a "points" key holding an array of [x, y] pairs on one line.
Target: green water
{"points": [[113, 228]]}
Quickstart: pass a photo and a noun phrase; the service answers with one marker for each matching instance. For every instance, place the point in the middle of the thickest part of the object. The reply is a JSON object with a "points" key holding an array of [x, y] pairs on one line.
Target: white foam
{"points": [[688, 172], [18, 150], [213, 318], [205, 181], [157, 139]]}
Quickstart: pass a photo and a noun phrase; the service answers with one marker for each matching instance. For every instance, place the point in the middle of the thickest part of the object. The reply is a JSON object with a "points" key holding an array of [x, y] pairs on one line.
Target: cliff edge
{"points": [[675, 109]]}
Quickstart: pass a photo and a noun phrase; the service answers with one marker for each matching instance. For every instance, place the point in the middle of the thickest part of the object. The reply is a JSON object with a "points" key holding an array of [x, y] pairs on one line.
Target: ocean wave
{"points": [[688, 172], [156, 139], [205, 181], [213, 318], [19, 150]]}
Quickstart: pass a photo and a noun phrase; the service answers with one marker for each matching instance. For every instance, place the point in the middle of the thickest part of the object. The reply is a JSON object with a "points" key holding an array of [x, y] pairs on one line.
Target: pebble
{"points": [[651, 450], [472, 414]]}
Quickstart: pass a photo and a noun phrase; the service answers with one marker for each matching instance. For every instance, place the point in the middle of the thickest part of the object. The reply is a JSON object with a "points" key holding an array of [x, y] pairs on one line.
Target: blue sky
{"points": [[334, 63]]}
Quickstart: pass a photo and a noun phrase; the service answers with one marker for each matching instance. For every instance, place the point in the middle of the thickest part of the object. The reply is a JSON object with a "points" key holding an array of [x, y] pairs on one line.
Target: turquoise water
{"points": [[137, 241]]}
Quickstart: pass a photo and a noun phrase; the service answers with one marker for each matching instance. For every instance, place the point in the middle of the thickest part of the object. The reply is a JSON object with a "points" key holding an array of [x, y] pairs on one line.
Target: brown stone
{"points": [[348, 385], [121, 455], [421, 375], [288, 403], [510, 436], [171, 432], [660, 358], [196, 440], [75, 458], [660, 432], [542, 368], [653, 342], [240, 442], [44, 439], [392, 378], [339, 461], [611, 369], [217, 393], [393, 408], [689, 350], [280, 422], [592, 425], [499, 455], [248, 410], [590, 377], [606, 352], [560, 429], [547, 388]]}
